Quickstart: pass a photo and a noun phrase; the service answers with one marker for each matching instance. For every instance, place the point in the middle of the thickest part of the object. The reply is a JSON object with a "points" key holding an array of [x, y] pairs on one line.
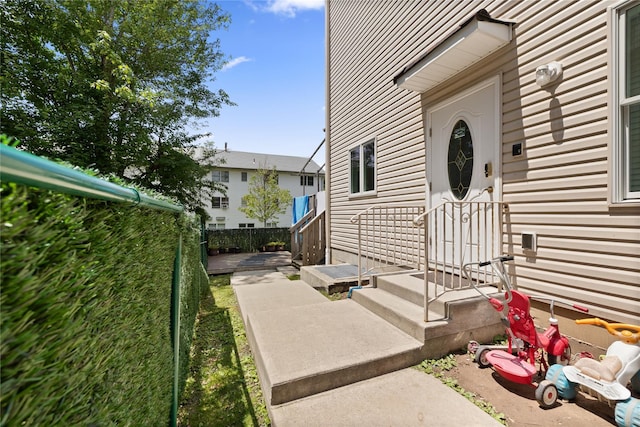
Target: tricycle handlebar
{"points": [[500, 258], [497, 264]]}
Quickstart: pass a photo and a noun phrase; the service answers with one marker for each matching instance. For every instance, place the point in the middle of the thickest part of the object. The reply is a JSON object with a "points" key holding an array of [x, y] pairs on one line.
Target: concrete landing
{"points": [[340, 277], [332, 278]]}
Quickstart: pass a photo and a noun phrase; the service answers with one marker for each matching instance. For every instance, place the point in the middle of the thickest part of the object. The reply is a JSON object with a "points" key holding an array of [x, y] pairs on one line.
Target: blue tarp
{"points": [[300, 207]]}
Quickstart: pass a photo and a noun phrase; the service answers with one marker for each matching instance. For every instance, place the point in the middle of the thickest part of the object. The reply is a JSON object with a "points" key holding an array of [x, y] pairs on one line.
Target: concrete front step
{"points": [[406, 286], [410, 286], [454, 319], [401, 313]]}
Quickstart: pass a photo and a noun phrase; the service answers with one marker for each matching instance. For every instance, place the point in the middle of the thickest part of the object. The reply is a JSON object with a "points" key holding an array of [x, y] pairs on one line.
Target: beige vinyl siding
{"points": [[558, 188], [364, 39]]}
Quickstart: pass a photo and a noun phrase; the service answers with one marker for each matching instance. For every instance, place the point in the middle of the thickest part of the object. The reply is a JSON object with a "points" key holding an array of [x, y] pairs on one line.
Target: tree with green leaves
{"points": [[114, 85], [265, 200]]}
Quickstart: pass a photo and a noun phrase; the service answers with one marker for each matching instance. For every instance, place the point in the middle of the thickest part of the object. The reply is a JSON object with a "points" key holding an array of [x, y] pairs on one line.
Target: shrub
{"points": [[248, 239]]}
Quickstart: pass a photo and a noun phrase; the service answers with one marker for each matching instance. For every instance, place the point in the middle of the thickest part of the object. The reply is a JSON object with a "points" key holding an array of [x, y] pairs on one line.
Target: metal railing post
{"points": [[359, 252], [427, 236], [175, 330]]}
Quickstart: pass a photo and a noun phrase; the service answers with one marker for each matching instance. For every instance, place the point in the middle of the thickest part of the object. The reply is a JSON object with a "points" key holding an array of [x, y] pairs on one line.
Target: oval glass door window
{"points": [[460, 159]]}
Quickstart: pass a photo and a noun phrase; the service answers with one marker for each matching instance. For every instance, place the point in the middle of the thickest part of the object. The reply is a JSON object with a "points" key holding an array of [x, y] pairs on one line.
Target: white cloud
{"points": [[290, 7], [236, 61]]}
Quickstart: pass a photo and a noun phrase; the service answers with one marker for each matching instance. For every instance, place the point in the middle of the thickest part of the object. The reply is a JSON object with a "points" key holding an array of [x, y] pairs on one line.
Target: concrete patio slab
{"points": [[402, 398]]}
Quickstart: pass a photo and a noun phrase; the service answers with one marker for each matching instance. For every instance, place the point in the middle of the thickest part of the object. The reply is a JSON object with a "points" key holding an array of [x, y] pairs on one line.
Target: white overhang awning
{"points": [[476, 38]]}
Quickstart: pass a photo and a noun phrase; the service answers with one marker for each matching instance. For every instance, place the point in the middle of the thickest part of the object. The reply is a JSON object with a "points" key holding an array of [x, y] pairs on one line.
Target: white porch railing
{"points": [[438, 241], [457, 233], [387, 236]]}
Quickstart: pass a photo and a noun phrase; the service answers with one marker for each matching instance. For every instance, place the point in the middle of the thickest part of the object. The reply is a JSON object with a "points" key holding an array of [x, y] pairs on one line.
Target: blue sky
{"points": [[275, 75]]}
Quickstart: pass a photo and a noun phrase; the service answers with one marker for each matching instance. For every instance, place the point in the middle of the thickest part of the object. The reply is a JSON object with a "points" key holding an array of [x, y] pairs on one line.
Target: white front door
{"points": [[463, 149]]}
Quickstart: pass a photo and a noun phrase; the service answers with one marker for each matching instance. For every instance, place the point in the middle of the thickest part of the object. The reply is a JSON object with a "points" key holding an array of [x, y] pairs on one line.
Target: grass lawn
{"points": [[223, 387]]}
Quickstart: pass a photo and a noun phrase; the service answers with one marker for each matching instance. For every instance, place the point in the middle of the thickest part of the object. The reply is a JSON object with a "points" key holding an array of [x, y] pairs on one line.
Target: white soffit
{"points": [[475, 39]]}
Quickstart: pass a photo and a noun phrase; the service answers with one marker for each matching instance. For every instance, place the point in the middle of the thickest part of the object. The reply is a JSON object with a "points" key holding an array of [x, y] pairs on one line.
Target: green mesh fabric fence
{"points": [[85, 309]]}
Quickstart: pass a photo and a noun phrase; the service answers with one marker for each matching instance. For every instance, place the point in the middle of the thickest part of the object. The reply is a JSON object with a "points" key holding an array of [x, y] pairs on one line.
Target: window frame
{"points": [[619, 192], [244, 176], [306, 180], [360, 148], [222, 201], [223, 175]]}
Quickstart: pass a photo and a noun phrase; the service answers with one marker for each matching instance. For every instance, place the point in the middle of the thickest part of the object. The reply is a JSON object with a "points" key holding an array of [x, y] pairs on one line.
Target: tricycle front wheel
{"points": [[481, 357], [546, 394]]}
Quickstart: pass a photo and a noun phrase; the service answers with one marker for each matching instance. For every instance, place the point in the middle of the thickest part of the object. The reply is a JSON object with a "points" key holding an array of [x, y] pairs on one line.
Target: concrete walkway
{"points": [[324, 363]]}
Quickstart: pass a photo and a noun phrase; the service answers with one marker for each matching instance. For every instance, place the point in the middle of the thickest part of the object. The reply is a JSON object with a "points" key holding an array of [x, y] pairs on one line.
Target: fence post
{"points": [[204, 246], [175, 330]]}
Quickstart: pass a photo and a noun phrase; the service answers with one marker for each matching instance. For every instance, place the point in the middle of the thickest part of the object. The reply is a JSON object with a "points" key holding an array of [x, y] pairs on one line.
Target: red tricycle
{"points": [[526, 346]]}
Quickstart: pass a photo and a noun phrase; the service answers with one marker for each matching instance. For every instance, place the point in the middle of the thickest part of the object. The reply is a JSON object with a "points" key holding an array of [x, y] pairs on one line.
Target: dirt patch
{"points": [[518, 403]]}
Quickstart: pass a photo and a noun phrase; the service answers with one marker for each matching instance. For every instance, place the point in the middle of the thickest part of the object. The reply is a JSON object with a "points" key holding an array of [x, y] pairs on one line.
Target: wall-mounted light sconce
{"points": [[548, 73]]}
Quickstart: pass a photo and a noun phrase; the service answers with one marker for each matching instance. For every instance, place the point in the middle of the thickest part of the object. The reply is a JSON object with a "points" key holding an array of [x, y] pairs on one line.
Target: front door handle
{"points": [[488, 170]]}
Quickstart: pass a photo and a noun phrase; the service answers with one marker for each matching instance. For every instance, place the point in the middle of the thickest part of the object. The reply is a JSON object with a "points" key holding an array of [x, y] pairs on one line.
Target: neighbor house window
{"points": [[243, 176], [246, 225], [218, 226], [220, 202], [220, 176], [363, 167], [626, 36], [306, 180]]}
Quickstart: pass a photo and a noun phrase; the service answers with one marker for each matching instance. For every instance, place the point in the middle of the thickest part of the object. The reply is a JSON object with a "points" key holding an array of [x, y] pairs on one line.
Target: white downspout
{"points": [[327, 133]]}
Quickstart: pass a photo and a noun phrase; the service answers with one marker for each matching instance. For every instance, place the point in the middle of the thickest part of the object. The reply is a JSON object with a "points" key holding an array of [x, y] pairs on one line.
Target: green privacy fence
{"points": [[248, 239], [98, 301]]}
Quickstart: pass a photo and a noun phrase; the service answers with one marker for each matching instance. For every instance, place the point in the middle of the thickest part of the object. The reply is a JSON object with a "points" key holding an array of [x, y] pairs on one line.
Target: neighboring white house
{"points": [[299, 175]]}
